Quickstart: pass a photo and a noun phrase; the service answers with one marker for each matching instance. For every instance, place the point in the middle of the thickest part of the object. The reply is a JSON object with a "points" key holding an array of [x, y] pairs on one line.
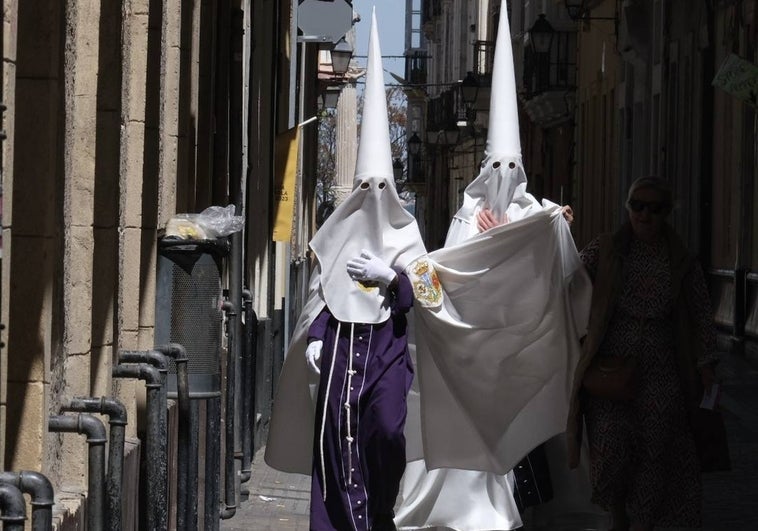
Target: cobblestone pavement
{"points": [[279, 501], [276, 501]]}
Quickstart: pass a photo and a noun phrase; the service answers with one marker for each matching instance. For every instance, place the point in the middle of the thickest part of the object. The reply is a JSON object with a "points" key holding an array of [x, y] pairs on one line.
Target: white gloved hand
{"points": [[313, 354], [368, 267]]}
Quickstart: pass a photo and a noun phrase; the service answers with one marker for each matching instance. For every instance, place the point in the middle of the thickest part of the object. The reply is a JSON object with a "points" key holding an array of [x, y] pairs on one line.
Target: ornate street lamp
{"points": [[449, 135], [331, 96], [341, 55], [414, 144], [541, 35], [469, 89], [397, 170], [575, 8]]}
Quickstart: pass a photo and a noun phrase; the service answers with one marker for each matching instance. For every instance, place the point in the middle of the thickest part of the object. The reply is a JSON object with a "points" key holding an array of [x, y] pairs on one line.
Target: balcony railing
{"points": [[484, 57], [416, 67], [441, 110]]}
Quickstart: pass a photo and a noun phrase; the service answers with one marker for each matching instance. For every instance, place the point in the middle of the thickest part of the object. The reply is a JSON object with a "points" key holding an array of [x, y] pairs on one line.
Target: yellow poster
{"points": [[285, 180]]}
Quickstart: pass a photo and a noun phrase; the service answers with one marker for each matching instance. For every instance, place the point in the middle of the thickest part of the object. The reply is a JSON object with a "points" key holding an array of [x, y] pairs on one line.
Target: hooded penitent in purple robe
{"points": [[359, 448], [351, 436]]}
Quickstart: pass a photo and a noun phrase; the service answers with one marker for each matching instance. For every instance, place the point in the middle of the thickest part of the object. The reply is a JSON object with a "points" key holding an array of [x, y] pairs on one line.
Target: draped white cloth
{"points": [[496, 360], [448, 498], [290, 439]]}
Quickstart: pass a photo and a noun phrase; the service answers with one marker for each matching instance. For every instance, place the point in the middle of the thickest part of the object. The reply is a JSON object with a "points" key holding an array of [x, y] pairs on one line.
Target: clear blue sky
{"points": [[390, 15]]}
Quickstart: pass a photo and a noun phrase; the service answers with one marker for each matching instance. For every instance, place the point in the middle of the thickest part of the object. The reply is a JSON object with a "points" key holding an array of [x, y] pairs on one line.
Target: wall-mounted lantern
{"points": [[449, 136], [469, 89], [331, 96], [341, 55], [397, 170], [414, 144], [541, 35]]}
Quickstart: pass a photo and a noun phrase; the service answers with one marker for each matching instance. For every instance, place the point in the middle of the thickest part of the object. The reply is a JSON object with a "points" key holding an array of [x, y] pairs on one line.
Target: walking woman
{"points": [[648, 355]]}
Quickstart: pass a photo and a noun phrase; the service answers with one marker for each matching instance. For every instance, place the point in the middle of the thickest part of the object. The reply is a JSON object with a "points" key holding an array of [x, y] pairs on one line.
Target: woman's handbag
{"points": [[711, 442], [611, 377]]}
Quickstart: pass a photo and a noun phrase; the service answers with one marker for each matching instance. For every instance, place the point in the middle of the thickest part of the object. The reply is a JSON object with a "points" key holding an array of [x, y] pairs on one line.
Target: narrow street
{"points": [[279, 501]]}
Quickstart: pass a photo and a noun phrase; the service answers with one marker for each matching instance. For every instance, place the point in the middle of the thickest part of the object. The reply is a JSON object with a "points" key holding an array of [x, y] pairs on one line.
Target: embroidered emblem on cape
{"points": [[426, 284], [368, 287]]}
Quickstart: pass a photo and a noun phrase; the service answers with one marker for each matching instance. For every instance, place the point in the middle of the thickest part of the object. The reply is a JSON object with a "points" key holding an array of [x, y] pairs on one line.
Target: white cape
{"points": [[290, 438], [520, 294], [448, 498]]}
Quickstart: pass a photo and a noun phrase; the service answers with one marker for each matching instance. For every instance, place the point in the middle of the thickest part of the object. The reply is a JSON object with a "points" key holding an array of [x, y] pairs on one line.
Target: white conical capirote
{"points": [[374, 151], [503, 133]]}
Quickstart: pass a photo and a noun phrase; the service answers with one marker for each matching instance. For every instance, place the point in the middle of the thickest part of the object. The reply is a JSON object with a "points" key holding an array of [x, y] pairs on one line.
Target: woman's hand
{"points": [[568, 214], [708, 377], [486, 220]]}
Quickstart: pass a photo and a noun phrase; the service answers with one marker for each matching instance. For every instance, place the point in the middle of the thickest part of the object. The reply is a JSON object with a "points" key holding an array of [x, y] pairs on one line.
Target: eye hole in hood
{"points": [[365, 185]]}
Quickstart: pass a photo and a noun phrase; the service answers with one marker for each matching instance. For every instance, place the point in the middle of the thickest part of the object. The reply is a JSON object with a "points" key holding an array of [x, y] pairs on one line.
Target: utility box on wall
{"points": [[188, 300]]}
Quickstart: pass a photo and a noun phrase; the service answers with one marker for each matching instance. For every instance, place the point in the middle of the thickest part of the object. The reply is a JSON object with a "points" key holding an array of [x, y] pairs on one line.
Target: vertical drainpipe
{"points": [[212, 463], [185, 513], [236, 178], [93, 428], [706, 151], [12, 508], [155, 359], [117, 419], [230, 496], [221, 177], [41, 492], [248, 387], [155, 442]]}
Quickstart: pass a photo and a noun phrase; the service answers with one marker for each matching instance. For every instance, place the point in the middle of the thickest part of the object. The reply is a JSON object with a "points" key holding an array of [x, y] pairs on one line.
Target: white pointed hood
{"points": [[372, 217], [501, 179]]}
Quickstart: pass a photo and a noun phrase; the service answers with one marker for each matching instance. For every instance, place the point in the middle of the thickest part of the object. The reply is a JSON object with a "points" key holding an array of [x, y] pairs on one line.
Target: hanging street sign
{"points": [[739, 78], [324, 20]]}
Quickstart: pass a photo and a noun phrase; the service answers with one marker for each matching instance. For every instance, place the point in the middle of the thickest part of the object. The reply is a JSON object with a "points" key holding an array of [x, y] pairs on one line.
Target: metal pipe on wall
{"points": [[159, 466], [212, 463], [93, 428], [248, 386], [185, 482], [192, 467], [230, 479], [117, 419], [156, 449], [41, 492], [236, 178], [12, 508]]}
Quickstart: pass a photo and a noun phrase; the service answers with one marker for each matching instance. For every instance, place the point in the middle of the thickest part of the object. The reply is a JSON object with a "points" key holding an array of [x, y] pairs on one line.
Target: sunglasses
{"points": [[654, 207]]}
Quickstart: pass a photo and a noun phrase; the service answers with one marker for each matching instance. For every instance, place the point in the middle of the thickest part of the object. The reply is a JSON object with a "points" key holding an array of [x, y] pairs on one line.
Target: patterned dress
{"points": [[642, 451]]}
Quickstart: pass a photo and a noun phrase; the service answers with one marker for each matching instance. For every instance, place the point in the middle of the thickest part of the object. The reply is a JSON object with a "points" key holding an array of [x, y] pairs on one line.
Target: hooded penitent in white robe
{"points": [[495, 378], [467, 489], [495, 365]]}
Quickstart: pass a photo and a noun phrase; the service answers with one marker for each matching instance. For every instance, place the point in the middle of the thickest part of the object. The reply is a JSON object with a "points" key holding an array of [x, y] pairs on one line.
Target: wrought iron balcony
{"points": [[416, 67]]}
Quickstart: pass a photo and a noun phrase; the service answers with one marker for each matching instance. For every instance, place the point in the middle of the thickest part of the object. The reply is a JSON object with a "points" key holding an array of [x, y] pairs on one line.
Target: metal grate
{"points": [[196, 314], [188, 310]]}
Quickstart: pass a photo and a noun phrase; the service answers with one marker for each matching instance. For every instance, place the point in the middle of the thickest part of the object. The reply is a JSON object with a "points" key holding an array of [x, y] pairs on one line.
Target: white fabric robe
{"points": [[449, 498], [485, 408], [470, 500]]}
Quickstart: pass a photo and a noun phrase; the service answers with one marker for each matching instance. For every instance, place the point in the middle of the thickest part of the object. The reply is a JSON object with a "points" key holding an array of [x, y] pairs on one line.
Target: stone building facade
{"points": [[119, 115]]}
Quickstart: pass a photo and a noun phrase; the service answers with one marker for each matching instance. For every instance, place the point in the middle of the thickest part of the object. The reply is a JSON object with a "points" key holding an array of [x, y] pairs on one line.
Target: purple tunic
{"points": [[359, 445]]}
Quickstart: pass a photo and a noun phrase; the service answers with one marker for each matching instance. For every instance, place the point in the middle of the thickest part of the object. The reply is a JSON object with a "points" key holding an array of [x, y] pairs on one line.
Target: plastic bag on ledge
{"points": [[213, 222]]}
